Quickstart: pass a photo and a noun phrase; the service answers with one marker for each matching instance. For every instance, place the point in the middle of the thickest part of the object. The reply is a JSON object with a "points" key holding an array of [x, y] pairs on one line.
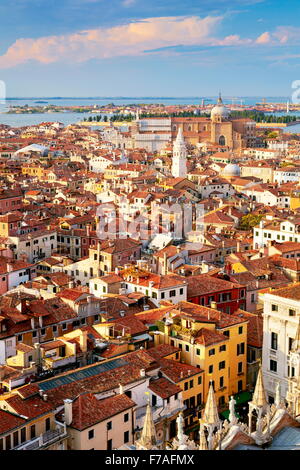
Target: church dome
{"points": [[232, 169], [220, 110]]}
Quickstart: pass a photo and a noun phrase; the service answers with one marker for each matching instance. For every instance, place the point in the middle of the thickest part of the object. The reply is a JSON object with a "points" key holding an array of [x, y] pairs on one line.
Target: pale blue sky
{"points": [[149, 47]]}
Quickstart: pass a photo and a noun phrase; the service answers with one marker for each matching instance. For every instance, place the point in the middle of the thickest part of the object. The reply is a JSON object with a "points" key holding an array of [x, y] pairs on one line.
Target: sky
{"points": [[149, 47]]}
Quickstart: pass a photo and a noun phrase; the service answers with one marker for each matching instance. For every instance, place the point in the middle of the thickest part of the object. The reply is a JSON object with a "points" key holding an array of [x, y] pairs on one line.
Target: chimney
{"points": [[68, 411], [32, 323], [165, 270], [88, 230], [9, 267], [142, 373], [83, 340], [121, 389], [41, 321], [238, 246], [45, 396]]}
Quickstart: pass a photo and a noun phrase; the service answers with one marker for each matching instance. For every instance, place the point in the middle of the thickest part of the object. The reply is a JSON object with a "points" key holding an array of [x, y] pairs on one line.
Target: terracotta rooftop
{"points": [[88, 411]]}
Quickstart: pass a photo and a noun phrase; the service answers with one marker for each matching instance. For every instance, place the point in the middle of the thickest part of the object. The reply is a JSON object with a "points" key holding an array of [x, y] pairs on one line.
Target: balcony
{"points": [[46, 439], [57, 361]]}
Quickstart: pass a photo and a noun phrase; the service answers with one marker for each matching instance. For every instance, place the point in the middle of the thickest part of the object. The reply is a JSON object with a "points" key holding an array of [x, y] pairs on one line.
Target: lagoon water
{"points": [[18, 120]]}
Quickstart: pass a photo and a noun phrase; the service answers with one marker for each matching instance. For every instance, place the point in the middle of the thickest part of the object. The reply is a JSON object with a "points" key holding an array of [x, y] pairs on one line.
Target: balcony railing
{"points": [[46, 439]]}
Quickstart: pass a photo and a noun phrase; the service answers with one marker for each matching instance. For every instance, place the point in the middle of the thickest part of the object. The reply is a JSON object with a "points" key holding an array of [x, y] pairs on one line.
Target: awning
{"points": [[144, 337]]}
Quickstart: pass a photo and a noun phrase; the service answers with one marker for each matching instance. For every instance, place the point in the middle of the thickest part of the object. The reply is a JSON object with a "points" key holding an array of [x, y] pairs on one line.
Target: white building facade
{"points": [[281, 319]]}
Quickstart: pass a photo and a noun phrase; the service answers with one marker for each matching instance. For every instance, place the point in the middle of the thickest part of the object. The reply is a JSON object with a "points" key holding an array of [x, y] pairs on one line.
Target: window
{"points": [[274, 308], [47, 424], [7, 443], [198, 352], [32, 431], [23, 434], [291, 341], [199, 399], [274, 341], [240, 367], [240, 330], [191, 383], [20, 338], [54, 328], [64, 326], [109, 444], [221, 365], [273, 365], [199, 380], [210, 369], [226, 333], [181, 291], [16, 438], [292, 313], [186, 386], [221, 382], [91, 434], [240, 349], [222, 348], [109, 425], [154, 400], [162, 295], [43, 331], [211, 352], [221, 401], [126, 437], [187, 348], [172, 293]]}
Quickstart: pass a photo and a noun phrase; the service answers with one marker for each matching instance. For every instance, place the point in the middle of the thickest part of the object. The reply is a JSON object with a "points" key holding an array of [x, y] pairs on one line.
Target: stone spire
{"points": [[220, 101], [260, 405], [148, 439], [259, 396], [211, 415]]}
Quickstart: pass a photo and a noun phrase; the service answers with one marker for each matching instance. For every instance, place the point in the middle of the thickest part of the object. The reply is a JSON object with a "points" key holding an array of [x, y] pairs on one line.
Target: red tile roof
{"points": [[88, 411]]}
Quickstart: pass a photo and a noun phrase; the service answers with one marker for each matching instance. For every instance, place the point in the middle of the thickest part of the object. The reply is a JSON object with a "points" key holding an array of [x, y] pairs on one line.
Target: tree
{"points": [[249, 221]]}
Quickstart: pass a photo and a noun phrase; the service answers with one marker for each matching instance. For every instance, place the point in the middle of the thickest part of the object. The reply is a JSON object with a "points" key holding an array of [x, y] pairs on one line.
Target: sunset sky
{"points": [[149, 47]]}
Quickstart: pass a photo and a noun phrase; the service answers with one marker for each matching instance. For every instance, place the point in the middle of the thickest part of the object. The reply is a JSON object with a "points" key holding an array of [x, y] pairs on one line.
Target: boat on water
{"points": [[41, 102]]}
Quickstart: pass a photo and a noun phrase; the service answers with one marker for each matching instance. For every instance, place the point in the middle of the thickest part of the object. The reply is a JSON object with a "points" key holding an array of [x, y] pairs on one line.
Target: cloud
{"points": [[125, 40], [128, 3], [150, 35], [264, 38]]}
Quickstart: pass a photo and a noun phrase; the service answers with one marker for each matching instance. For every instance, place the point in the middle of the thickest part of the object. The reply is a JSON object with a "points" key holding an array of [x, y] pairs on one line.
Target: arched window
{"points": [[222, 140], [174, 127]]}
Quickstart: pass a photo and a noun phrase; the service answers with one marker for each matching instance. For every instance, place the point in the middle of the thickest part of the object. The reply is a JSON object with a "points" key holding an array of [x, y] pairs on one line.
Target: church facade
{"points": [[220, 129]]}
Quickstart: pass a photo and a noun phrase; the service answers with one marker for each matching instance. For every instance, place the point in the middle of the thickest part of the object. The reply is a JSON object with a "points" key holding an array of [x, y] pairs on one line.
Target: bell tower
{"points": [[179, 168]]}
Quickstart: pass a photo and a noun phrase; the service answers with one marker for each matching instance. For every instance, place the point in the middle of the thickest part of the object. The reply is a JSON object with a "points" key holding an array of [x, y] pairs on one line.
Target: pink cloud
{"points": [[264, 38]]}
